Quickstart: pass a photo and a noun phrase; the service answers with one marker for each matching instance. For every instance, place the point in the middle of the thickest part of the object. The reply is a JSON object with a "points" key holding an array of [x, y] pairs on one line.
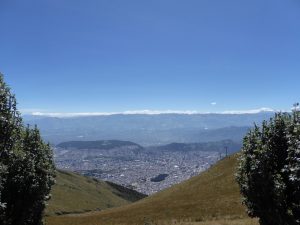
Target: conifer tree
{"points": [[26, 166]]}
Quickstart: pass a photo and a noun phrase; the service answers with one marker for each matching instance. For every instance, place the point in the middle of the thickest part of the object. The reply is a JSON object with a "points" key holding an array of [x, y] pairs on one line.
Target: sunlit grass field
{"points": [[74, 193], [246, 221], [212, 198]]}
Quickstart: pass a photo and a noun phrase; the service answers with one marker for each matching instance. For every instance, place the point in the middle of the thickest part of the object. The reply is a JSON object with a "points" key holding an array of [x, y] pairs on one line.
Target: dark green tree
{"points": [[292, 168], [10, 133], [268, 172], [26, 166]]}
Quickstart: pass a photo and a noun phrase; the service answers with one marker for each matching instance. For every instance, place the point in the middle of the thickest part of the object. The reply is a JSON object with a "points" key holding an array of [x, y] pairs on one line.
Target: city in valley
{"points": [[146, 170]]}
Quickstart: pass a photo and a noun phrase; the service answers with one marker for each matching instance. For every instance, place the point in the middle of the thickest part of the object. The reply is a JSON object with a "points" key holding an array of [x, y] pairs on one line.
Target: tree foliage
{"points": [[26, 166], [269, 170]]}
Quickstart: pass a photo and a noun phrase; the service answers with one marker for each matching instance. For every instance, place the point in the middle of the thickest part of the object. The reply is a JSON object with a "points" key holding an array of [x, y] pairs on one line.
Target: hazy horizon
{"points": [[147, 112]]}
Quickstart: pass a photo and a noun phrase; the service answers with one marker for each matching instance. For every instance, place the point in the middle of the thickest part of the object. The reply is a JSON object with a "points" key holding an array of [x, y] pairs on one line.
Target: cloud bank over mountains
{"points": [[148, 112]]}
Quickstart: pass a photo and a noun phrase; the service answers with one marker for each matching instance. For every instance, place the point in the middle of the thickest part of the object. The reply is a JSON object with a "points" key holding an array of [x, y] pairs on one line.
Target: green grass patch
{"points": [[74, 193]]}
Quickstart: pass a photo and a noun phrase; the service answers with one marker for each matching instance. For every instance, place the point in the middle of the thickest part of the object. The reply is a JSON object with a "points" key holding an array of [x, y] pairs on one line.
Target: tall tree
{"points": [[26, 166], [269, 173]]}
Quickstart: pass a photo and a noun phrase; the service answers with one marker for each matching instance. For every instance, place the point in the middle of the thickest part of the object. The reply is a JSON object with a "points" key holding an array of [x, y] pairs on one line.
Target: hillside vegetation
{"points": [[211, 196], [74, 193]]}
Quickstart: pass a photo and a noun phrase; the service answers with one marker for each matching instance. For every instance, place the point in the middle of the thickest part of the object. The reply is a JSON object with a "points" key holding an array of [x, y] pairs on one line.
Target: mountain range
{"points": [[146, 129]]}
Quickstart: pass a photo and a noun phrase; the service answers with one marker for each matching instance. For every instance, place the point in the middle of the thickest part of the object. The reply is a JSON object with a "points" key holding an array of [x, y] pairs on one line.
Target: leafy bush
{"points": [[26, 166], [269, 170]]}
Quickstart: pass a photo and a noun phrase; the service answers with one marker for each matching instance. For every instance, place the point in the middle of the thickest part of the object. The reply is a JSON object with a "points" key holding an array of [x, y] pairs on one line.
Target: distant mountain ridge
{"points": [[210, 146], [102, 144], [217, 146], [150, 112], [148, 130]]}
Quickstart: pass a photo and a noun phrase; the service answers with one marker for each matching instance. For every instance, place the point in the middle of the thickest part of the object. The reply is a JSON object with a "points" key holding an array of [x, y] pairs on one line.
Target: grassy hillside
{"points": [[213, 195], [74, 193]]}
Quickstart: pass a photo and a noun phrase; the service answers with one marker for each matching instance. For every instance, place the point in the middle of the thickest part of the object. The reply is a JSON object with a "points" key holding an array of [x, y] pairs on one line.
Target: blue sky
{"points": [[116, 55]]}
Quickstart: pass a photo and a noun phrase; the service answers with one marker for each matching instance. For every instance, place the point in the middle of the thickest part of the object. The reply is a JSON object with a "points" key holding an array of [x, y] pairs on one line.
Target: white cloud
{"points": [[154, 112], [135, 112], [213, 103], [250, 111], [295, 107], [53, 114], [150, 112]]}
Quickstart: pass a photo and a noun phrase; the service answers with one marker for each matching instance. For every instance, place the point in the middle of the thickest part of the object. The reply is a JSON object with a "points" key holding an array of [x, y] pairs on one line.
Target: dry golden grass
{"points": [[215, 222], [212, 196], [244, 221], [74, 193]]}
